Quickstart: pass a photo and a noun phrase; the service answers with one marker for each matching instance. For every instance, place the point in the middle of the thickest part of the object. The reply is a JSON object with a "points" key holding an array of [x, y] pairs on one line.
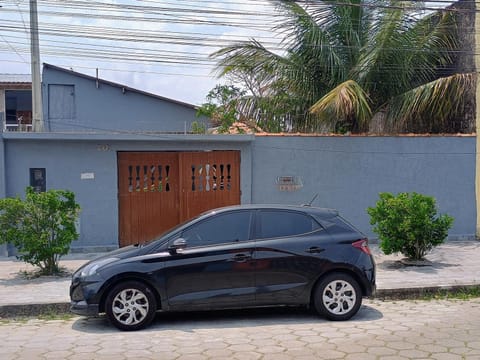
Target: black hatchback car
{"points": [[233, 257]]}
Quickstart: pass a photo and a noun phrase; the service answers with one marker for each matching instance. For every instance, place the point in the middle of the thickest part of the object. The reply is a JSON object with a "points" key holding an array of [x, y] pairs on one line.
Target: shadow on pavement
{"points": [[431, 267], [224, 319], [22, 280]]}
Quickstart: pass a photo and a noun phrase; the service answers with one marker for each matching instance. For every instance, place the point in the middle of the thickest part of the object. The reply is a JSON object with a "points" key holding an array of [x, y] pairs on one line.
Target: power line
{"points": [[110, 43]]}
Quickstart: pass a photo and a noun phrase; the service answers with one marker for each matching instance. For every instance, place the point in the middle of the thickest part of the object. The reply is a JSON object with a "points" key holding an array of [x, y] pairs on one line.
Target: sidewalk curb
{"points": [[32, 310], [417, 293]]}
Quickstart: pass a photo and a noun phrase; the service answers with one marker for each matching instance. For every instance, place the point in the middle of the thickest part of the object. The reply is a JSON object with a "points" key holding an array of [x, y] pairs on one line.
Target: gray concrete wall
{"points": [[348, 173], [111, 107], [3, 247], [2, 166], [64, 162], [66, 158]]}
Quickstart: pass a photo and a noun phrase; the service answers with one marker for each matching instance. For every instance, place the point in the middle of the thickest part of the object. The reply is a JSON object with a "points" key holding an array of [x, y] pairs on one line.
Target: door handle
{"points": [[314, 250], [241, 257]]}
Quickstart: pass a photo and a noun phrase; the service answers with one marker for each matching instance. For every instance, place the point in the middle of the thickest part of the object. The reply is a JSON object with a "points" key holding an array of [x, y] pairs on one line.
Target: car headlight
{"points": [[92, 268]]}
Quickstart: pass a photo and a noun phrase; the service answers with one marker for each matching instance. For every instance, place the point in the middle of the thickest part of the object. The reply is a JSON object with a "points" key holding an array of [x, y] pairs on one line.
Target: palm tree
{"points": [[357, 65]]}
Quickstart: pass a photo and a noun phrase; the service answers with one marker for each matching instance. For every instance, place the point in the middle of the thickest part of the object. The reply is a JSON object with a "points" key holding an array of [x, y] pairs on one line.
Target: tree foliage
{"points": [[221, 106], [408, 223], [353, 64], [42, 226]]}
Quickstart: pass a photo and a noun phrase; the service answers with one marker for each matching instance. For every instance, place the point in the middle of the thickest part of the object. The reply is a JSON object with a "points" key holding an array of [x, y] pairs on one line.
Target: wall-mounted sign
{"points": [[289, 183], [87, 176]]}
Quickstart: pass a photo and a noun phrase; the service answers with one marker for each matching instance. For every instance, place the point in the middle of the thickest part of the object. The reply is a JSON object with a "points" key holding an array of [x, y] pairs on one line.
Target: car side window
{"points": [[274, 223], [220, 229]]}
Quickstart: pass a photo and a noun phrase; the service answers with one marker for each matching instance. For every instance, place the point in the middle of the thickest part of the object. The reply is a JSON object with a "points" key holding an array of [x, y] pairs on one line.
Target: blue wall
{"points": [[64, 161], [347, 173], [113, 107], [2, 164], [3, 247], [65, 158]]}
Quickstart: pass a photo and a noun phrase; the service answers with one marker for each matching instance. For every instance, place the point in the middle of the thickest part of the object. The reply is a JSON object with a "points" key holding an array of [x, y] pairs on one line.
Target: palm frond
{"points": [[430, 106], [432, 40], [307, 32], [251, 54], [359, 57], [375, 54], [347, 102]]}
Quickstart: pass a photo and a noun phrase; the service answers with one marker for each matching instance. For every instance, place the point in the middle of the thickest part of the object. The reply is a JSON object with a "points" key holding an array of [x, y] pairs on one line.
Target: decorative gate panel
{"points": [[148, 195], [210, 180], [158, 190]]}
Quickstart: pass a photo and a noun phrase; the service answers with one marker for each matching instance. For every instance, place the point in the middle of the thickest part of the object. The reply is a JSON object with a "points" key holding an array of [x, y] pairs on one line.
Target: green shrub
{"points": [[198, 128], [41, 227], [408, 223]]}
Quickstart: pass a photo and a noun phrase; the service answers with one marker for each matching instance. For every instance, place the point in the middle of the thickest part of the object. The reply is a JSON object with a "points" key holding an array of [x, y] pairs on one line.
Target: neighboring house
{"points": [[15, 102], [80, 103], [135, 170]]}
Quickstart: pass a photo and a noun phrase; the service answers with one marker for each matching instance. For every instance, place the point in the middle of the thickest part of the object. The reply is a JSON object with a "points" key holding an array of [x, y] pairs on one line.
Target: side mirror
{"points": [[178, 244]]}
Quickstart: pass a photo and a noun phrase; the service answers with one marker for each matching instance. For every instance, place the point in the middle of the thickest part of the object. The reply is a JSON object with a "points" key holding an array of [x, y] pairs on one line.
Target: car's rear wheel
{"points": [[337, 297], [130, 306]]}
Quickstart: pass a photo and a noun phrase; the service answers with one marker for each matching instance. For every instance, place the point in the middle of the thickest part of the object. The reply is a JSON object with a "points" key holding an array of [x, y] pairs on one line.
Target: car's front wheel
{"points": [[130, 306], [337, 297]]}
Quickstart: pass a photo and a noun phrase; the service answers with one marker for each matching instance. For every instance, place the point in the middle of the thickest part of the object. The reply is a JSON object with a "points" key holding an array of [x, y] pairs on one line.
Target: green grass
{"points": [[47, 316], [457, 294], [56, 316]]}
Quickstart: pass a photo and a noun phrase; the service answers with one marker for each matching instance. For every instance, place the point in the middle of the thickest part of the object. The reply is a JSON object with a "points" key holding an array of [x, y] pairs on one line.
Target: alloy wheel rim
{"points": [[339, 297], [130, 306]]}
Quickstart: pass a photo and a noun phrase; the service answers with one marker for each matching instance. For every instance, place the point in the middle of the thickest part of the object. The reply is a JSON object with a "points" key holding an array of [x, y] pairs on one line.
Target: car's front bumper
{"points": [[85, 297], [82, 308]]}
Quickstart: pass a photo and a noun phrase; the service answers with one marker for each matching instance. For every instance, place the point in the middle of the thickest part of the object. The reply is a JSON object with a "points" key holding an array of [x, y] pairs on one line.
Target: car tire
{"points": [[337, 297], [130, 306]]}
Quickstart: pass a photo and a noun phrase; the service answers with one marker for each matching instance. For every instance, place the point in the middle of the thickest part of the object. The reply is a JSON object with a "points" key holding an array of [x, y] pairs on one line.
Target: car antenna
{"points": [[311, 201]]}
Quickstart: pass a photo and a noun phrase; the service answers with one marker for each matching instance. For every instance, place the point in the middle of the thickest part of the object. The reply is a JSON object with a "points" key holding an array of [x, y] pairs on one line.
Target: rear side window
{"points": [[275, 224], [338, 224]]}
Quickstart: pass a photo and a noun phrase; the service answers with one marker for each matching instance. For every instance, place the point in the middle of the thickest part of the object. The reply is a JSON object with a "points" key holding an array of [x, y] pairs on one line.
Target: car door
{"points": [[215, 266], [287, 256]]}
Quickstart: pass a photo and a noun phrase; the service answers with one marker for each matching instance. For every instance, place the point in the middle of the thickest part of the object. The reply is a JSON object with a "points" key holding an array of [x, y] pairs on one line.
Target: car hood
{"points": [[122, 253]]}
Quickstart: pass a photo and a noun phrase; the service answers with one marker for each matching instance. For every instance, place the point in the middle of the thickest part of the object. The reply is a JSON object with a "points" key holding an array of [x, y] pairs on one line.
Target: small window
{"points": [[222, 228], [61, 101], [274, 224]]}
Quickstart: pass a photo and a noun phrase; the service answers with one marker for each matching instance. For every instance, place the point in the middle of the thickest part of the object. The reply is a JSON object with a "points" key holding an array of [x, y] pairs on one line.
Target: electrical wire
{"points": [[126, 40]]}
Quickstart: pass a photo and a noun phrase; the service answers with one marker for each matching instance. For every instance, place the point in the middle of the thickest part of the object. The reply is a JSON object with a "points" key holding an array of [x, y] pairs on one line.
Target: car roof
{"points": [[323, 212]]}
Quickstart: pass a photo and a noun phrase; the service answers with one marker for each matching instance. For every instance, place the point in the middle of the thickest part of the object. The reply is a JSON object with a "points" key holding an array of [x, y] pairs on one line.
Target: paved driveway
{"points": [[381, 330]]}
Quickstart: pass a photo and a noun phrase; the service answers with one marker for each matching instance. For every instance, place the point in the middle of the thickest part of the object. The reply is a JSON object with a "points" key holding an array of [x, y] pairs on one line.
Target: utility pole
{"points": [[477, 118], [37, 111]]}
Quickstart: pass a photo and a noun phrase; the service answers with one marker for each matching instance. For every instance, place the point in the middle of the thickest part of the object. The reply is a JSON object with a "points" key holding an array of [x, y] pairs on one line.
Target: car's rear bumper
{"points": [[82, 308]]}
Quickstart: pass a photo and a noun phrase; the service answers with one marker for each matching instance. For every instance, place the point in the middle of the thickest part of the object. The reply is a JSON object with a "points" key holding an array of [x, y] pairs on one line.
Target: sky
{"points": [[158, 46]]}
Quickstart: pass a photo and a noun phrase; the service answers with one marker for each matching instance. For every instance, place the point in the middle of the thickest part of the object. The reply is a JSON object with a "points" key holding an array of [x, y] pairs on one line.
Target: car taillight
{"points": [[362, 245]]}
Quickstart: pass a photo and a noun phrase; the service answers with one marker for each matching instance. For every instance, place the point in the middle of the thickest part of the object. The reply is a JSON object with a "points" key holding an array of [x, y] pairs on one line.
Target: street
{"points": [[420, 329]]}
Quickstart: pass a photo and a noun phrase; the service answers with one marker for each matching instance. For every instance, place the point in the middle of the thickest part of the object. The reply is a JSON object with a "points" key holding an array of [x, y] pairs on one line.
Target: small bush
{"points": [[41, 227], [198, 128], [408, 223]]}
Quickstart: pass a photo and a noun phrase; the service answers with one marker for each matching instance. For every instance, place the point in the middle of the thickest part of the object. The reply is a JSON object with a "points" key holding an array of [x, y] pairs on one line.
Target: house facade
{"points": [[15, 102], [135, 178], [76, 102]]}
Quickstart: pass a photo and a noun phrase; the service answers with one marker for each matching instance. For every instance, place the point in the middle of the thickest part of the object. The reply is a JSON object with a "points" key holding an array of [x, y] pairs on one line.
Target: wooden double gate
{"points": [[158, 190]]}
